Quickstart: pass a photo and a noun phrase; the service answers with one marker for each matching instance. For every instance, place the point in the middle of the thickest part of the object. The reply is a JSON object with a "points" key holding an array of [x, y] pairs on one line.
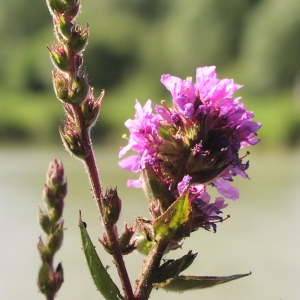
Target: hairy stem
{"points": [[145, 284], [94, 177]]}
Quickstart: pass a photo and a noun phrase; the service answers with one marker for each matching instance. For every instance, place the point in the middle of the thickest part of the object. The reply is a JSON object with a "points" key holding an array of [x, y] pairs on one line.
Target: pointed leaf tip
{"points": [[184, 283]]}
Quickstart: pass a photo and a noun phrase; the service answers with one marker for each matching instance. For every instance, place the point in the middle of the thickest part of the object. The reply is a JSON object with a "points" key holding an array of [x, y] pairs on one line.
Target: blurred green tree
{"points": [[270, 57]]}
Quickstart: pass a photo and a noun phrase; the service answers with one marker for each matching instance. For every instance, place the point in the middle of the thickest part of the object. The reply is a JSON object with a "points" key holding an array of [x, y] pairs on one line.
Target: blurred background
{"points": [[133, 42]]}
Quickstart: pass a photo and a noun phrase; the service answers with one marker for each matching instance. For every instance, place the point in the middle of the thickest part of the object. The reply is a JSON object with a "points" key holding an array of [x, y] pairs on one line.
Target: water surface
{"points": [[262, 235]]}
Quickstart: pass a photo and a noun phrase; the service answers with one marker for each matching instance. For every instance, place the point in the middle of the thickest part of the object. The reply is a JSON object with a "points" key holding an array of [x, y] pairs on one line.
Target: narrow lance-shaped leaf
{"points": [[99, 274], [184, 283]]}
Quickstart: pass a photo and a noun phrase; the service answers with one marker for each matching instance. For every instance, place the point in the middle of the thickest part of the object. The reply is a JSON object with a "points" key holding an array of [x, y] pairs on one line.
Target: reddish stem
{"points": [[94, 177]]}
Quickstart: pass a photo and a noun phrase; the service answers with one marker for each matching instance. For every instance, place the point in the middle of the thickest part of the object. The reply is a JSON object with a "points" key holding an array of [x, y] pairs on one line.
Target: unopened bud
{"points": [[78, 39], [59, 57], [69, 8], [72, 141], [49, 281], [45, 221], [68, 90], [54, 193], [61, 84], [63, 27], [106, 244], [57, 6], [91, 108], [55, 239], [78, 90], [111, 206], [127, 243]]}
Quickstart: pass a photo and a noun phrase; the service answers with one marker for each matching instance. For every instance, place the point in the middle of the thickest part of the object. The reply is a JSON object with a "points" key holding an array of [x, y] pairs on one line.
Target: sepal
{"points": [[155, 190]]}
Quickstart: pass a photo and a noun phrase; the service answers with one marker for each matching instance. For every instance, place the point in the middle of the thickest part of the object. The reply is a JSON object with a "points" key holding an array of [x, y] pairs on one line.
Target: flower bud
{"points": [[111, 206], [60, 83], [69, 8], [78, 90], [49, 281], [45, 221], [57, 6], [54, 193], [91, 108], [72, 141], [59, 57], [55, 239], [106, 243], [78, 39], [63, 27], [68, 90], [72, 10], [126, 242]]}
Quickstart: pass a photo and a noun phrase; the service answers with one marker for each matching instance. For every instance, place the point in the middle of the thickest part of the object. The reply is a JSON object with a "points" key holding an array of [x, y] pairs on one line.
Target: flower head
{"points": [[198, 136]]}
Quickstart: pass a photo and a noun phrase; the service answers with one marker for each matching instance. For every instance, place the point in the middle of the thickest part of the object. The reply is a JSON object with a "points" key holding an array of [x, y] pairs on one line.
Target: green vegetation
{"points": [[133, 42]]}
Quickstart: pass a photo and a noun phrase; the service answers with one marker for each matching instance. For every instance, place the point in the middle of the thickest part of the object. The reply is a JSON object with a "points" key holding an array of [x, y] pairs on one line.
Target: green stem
{"points": [[144, 286]]}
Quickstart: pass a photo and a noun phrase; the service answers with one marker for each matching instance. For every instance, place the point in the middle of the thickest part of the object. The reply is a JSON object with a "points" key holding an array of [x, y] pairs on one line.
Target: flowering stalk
{"points": [[81, 108], [50, 217], [185, 149]]}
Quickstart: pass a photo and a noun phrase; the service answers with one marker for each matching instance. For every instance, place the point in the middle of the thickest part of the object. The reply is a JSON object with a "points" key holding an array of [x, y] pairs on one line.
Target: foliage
{"points": [[137, 40]]}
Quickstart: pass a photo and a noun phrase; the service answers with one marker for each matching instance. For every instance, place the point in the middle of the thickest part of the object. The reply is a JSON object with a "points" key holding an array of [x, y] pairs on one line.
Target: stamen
{"points": [[164, 104]]}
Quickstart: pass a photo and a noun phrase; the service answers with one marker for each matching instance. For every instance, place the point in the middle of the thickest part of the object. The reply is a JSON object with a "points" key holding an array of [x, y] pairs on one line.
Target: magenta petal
{"points": [[135, 183], [131, 163], [172, 83], [226, 189], [183, 184]]}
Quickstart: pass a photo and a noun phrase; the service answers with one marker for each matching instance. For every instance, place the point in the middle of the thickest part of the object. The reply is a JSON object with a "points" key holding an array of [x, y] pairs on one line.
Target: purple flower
{"points": [[143, 139], [204, 212], [197, 139]]}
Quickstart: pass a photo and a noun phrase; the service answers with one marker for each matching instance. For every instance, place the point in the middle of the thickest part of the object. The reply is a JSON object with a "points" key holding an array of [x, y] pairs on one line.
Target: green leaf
{"points": [[99, 274], [184, 283], [173, 224], [173, 267]]}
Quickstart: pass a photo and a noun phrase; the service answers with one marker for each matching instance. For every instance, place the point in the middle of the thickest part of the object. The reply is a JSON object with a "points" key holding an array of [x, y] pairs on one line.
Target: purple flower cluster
{"points": [[194, 143]]}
